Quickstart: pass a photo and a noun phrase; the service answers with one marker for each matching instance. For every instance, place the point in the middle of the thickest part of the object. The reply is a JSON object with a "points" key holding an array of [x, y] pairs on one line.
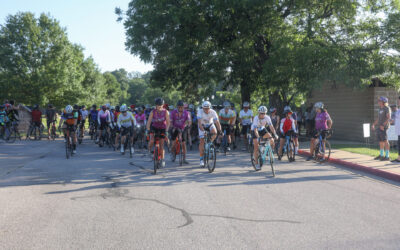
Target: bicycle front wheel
{"points": [[291, 151], [212, 158], [67, 148], [271, 161], [180, 153], [325, 154], [155, 159]]}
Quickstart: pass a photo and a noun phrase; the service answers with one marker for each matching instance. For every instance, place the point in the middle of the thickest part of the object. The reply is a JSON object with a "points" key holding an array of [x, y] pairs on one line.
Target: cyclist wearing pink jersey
{"points": [[179, 118]]}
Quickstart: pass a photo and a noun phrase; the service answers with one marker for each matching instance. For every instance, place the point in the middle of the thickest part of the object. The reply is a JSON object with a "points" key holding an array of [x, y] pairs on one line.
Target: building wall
{"points": [[350, 108]]}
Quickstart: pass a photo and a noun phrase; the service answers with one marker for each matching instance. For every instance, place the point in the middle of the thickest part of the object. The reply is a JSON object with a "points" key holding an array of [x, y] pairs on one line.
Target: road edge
{"points": [[355, 166]]}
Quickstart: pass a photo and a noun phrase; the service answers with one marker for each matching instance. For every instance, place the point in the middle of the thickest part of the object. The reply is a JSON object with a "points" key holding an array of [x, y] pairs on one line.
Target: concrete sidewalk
{"points": [[365, 163]]}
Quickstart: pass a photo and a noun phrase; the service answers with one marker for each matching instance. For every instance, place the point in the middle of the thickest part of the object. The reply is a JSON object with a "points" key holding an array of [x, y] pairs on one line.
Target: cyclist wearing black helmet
{"points": [[51, 118], [158, 123], [179, 119]]}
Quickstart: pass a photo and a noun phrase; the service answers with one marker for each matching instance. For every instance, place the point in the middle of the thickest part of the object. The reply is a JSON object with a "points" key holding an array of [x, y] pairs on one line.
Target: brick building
{"points": [[351, 108]]}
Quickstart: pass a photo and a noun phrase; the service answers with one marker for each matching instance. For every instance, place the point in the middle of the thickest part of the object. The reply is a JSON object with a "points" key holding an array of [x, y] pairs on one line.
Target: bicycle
{"points": [[53, 133], [320, 154], [127, 143], [68, 143], [81, 133], [178, 150], [210, 153], [224, 143], [33, 130], [93, 130], [289, 148], [157, 154], [264, 150], [140, 136], [249, 139]]}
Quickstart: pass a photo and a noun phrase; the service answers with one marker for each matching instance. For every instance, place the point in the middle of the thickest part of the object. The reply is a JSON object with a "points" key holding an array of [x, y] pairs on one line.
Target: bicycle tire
{"points": [[327, 152], [180, 153], [213, 152], [260, 160], [205, 155], [67, 148], [271, 160], [290, 152], [13, 135], [155, 159], [253, 161]]}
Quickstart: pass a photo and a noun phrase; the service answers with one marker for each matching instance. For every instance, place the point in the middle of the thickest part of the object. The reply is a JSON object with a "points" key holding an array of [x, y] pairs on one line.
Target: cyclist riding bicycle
{"points": [[3, 119], [179, 118], [103, 120], [207, 119], [51, 118], [323, 123], [227, 119], [158, 123], [69, 121], [262, 126], [245, 119], [126, 123], [13, 116], [93, 117], [286, 128]]}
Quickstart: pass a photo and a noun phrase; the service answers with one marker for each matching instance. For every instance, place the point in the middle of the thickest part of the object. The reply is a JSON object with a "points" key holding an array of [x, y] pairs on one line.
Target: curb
{"points": [[374, 171]]}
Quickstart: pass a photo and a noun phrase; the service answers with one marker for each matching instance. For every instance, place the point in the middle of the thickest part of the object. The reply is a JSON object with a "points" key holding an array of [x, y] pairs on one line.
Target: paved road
{"points": [[101, 200]]}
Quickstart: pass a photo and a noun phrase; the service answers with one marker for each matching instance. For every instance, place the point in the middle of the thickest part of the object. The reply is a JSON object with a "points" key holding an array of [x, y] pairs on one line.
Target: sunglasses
{"points": [[262, 113]]}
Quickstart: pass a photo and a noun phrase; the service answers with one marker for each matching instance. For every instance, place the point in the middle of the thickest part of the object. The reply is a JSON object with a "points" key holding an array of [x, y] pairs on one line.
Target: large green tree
{"points": [[283, 48]]}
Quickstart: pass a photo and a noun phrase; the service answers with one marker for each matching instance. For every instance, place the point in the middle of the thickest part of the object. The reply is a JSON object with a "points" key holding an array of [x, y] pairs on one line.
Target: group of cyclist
{"points": [[184, 122], [9, 116]]}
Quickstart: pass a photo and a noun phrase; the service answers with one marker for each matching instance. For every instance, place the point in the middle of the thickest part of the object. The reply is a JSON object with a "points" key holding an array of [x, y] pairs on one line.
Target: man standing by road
{"points": [[37, 118], [51, 118], [381, 131]]}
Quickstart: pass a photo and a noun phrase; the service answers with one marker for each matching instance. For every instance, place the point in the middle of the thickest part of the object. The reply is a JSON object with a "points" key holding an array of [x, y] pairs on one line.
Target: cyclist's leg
{"points": [[255, 152], [174, 134], [281, 144], [49, 124], [201, 144], [182, 138]]}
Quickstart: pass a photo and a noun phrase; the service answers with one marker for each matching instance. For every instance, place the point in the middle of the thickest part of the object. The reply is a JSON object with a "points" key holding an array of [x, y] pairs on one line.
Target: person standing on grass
{"points": [[397, 129], [383, 123]]}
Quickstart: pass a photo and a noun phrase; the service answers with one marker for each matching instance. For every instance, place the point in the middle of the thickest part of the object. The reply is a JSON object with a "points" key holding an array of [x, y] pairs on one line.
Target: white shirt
{"points": [[207, 119], [258, 123], [84, 114], [126, 120], [246, 116]]}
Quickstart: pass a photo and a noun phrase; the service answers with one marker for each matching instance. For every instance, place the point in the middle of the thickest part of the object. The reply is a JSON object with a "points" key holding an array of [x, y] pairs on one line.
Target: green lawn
{"points": [[373, 150]]}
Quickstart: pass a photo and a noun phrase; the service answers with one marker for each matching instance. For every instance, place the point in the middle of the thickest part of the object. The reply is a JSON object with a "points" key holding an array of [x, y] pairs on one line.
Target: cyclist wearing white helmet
{"points": [[69, 121], [227, 120], [126, 123], [323, 123], [104, 121], [245, 119], [207, 119], [262, 126]]}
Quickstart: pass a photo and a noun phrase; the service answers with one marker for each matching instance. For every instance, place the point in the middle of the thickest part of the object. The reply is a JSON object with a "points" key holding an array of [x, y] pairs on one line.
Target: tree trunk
{"points": [[276, 101], [245, 91]]}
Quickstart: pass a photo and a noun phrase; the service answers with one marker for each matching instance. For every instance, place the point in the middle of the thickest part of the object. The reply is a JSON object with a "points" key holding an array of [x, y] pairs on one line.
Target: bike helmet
{"points": [[83, 106], [132, 107], [104, 107], [319, 105], [383, 99], [227, 104], [117, 108], [112, 107], [191, 106], [272, 109], [148, 106], [69, 109], [262, 109], [94, 106], [206, 104], [108, 105], [185, 106], [159, 101], [76, 106], [246, 104], [123, 108], [180, 103]]}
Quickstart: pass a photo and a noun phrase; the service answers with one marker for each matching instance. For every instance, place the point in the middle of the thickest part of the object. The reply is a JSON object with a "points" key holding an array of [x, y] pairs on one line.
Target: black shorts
{"points": [[103, 125], [381, 135], [83, 123], [261, 133], [245, 128], [227, 128], [316, 133], [49, 123], [37, 124], [160, 133], [175, 132], [126, 131], [94, 124], [289, 133]]}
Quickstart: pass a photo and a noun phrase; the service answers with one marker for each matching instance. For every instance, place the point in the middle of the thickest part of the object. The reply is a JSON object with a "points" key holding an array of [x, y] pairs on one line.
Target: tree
{"points": [[37, 62], [285, 47]]}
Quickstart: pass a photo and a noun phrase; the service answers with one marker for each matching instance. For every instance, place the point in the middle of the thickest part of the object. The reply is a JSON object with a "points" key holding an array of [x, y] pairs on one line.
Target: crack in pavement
{"points": [[115, 192]]}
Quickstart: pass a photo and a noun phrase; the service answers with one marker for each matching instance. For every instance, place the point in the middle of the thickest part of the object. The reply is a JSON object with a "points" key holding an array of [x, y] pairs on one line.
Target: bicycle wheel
{"points": [[130, 148], [253, 160], [180, 152], [212, 158], [224, 144], [67, 148], [271, 160], [155, 159], [290, 152], [260, 160], [11, 136], [324, 155]]}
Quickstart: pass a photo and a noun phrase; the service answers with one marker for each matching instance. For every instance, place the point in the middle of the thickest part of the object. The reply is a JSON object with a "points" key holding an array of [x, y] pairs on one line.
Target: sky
{"points": [[90, 23]]}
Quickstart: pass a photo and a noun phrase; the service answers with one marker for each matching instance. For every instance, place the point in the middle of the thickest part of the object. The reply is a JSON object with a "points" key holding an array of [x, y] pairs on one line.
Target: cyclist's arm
{"points": [[218, 125], [133, 120], [167, 120], [281, 127], [294, 127], [329, 123], [149, 120], [189, 119]]}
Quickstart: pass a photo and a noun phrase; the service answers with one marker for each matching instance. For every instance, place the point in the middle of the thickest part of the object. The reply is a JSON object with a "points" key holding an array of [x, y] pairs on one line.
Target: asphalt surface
{"points": [[100, 199]]}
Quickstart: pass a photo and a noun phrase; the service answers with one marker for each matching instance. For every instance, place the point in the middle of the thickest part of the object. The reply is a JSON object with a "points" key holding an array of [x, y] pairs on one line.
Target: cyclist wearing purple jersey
{"points": [[179, 118]]}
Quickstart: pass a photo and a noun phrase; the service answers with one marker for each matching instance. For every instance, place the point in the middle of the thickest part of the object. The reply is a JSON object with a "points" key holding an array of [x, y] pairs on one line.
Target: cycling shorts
{"points": [[261, 133], [228, 128], [206, 127], [127, 130], [103, 125], [245, 128], [49, 123], [175, 132], [158, 132]]}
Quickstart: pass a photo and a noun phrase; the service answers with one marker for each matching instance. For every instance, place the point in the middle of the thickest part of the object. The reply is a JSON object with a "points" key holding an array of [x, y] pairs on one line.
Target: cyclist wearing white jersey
{"points": [[262, 126], [246, 119], [207, 119], [126, 122]]}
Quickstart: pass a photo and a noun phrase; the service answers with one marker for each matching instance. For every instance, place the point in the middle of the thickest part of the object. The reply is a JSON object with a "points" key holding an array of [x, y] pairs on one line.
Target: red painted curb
{"points": [[374, 171]]}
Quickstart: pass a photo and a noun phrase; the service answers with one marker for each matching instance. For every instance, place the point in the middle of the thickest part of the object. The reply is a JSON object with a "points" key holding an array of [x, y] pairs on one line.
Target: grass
{"points": [[364, 150]]}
